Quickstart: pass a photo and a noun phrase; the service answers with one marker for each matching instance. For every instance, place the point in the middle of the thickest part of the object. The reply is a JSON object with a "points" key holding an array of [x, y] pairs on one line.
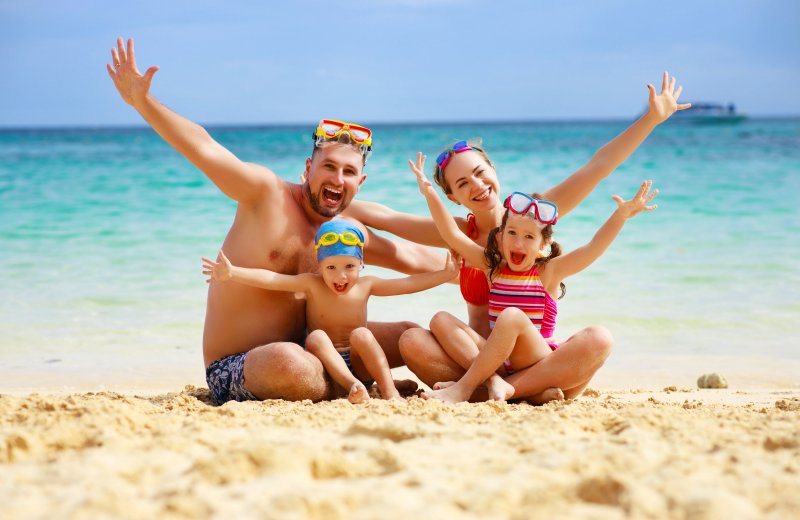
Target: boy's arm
{"points": [[222, 271], [417, 282], [576, 261], [448, 229], [238, 180], [577, 186]]}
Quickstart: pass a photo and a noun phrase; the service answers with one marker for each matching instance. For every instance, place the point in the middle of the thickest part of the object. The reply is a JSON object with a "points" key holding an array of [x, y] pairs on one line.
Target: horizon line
{"points": [[227, 125]]}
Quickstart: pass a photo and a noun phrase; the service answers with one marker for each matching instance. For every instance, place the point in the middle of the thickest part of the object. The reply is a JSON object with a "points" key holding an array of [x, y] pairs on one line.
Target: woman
{"points": [[467, 176]]}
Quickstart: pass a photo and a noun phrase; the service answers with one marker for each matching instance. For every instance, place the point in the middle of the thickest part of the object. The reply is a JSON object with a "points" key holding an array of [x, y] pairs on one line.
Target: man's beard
{"points": [[313, 199]]}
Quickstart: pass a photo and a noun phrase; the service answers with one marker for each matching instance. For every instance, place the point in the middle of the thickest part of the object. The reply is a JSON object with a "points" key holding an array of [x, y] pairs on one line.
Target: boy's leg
{"points": [[367, 355], [319, 344]]}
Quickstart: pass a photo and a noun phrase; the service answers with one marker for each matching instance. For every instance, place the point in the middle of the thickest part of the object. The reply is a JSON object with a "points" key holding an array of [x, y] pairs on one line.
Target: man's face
{"points": [[333, 176]]}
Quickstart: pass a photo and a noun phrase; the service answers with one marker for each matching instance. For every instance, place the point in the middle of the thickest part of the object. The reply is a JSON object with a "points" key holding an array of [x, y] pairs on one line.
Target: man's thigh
{"points": [[388, 336], [285, 371]]}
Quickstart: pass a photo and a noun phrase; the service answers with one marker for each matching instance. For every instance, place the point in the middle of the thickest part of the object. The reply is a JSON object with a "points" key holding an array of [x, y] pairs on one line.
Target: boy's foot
{"points": [[358, 393], [501, 390]]}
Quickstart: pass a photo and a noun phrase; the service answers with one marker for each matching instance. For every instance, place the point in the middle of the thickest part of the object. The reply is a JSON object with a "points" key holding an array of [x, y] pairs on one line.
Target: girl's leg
{"points": [[425, 357], [570, 367], [462, 344], [319, 344], [366, 355], [513, 331]]}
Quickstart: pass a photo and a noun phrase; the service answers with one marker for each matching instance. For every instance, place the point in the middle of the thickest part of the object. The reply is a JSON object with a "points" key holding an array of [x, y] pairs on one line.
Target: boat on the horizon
{"points": [[710, 113]]}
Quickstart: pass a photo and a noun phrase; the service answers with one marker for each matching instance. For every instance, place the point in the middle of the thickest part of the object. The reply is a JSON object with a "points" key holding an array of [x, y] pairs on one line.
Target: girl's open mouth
{"points": [[517, 258]]}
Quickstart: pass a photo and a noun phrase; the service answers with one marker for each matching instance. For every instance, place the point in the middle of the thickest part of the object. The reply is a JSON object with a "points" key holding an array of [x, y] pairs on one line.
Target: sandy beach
{"points": [[674, 453]]}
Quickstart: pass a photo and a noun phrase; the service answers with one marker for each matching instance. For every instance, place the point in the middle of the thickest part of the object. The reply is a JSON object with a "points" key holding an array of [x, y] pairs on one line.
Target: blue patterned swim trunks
{"points": [[225, 378], [346, 356]]}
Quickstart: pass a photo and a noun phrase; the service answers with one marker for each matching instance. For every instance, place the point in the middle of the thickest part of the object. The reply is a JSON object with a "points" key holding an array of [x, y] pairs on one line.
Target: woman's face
{"points": [[472, 181]]}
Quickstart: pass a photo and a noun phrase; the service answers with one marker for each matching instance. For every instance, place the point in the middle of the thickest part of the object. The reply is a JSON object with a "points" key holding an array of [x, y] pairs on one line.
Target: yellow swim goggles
{"points": [[347, 238]]}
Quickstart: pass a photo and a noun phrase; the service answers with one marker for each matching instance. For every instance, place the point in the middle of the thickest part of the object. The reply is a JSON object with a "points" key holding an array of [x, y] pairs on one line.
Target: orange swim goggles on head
{"points": [[330, 128]]}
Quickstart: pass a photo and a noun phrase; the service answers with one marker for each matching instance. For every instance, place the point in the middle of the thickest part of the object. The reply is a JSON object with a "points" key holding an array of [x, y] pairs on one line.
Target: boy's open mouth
{"points": [[517, 258], [332, 196], [340, 287]]}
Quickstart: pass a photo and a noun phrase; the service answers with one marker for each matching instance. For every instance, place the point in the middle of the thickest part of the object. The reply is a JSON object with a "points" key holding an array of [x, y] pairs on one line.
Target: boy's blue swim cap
{"points": [[339, 237]]}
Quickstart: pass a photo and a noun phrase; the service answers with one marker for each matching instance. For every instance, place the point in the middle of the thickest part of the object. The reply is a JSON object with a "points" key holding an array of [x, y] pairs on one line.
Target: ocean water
{"points": [[102, 230]]}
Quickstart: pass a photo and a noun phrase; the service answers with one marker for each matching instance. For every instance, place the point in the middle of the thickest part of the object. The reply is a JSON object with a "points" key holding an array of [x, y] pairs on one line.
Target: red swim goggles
{"points": [[521, 203], [329, 129]]}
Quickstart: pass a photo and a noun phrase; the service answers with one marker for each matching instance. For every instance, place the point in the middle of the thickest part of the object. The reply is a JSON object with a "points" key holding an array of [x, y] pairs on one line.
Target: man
{"points": [[252, 337]]}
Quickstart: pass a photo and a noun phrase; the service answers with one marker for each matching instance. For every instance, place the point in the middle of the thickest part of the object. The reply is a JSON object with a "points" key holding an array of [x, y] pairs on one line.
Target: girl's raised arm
{"points": [[448, 229], [581, 258]]}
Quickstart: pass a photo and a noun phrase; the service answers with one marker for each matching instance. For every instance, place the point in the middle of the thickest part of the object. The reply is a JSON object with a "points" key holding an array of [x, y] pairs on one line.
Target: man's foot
{"points": [[406, 387], [358, 393], [501, 390], [451, 394]]}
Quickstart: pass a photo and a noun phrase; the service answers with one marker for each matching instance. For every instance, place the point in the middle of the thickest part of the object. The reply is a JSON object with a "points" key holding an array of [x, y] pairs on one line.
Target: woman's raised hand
{"points": [[132, 85], [425, 186], [639, 202], [663, 105]]}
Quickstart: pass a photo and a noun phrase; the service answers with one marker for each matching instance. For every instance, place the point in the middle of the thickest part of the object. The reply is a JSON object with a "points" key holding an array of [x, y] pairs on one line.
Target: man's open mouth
{"points": [[332, 196]]}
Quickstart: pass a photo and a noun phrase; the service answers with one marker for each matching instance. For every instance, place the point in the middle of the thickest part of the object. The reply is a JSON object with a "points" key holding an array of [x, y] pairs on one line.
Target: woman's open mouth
{"points": [[483, 196]]}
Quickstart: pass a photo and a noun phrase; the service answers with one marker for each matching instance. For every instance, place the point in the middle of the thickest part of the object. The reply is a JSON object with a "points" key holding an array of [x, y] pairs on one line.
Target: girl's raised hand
{"points": [[663, 105], [639, 202], [218, 271], [418, 168]]}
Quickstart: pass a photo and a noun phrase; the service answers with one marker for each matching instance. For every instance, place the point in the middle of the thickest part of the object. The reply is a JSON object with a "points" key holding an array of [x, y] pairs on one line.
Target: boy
{"points": [[336, 305]]}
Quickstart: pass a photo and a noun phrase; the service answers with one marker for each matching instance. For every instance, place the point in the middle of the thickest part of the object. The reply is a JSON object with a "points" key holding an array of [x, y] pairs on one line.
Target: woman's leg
{"points": [[570, 367], [366, 354]]}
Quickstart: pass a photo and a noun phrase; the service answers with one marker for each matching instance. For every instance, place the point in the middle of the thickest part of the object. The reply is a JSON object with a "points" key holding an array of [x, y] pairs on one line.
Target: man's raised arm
{"points": [[238, 180]]}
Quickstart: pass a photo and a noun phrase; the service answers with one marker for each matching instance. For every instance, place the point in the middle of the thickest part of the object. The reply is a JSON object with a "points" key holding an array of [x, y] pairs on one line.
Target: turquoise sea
{"points": [[102, 230]]}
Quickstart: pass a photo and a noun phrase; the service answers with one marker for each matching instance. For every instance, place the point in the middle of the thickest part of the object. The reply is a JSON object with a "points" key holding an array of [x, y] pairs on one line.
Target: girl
{"points": [[525, 283], [468, 177]]}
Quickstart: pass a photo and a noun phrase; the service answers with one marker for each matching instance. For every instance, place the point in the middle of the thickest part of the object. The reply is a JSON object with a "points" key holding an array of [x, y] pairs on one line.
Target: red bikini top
{"points": [[473, 282]]}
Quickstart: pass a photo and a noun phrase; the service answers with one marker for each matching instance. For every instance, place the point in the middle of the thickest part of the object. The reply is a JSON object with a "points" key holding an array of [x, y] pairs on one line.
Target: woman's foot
{"points": [[551, 394], [501, 390]]}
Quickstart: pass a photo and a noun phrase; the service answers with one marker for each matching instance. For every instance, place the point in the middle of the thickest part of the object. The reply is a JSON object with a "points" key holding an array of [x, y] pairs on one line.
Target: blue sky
{"points": [[395, 60]]}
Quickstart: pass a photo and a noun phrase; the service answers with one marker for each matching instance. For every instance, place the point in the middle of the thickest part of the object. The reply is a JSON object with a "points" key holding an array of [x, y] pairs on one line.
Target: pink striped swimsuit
{"points": [[524, 291]]}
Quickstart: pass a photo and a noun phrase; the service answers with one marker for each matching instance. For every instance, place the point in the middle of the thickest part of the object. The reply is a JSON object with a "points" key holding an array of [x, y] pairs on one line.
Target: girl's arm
{"points": [[577, 186], [417, 282], [222, 270], [448, 229], [416, 228], [576, 261]]}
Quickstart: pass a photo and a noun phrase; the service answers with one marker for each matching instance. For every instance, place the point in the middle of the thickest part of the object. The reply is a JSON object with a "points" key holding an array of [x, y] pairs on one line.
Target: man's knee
{"points": [[284, 370], [414, 343]]}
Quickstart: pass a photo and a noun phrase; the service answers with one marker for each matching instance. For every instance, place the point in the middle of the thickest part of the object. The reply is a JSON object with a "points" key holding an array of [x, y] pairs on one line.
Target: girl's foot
{"points": [[443, 384], [358, 393], [450, 394]]}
